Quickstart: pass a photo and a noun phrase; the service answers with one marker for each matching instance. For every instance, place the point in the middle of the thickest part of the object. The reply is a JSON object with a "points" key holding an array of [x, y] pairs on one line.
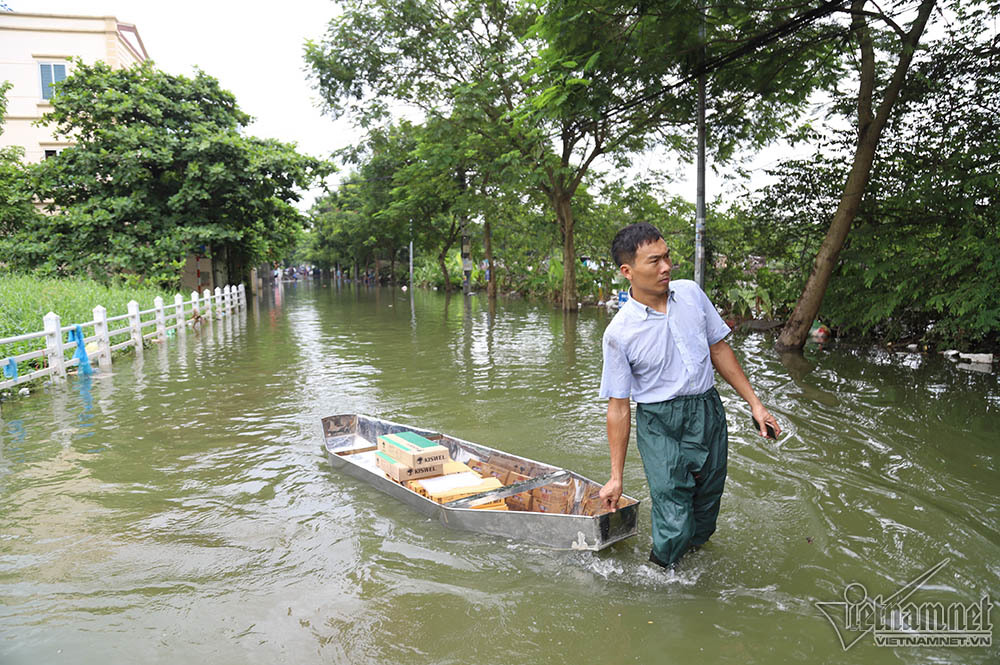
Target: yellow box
{"points": [[443, 491], [493, 505], [455, 467]]}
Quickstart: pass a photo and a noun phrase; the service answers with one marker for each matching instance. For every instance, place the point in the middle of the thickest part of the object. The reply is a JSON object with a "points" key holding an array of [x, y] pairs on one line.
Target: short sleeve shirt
{"points": [[653, 357]]}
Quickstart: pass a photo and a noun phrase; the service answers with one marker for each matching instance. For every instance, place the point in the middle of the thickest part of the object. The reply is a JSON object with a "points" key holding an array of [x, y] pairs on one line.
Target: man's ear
{"points": [[626, 271]]}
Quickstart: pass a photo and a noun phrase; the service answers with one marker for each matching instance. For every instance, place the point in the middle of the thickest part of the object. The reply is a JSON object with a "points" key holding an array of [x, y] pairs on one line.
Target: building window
{"points": [[51, 153], [51, 73]]}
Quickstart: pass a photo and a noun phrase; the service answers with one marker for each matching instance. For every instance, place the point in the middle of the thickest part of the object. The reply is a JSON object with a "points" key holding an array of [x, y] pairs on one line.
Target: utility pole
{"points": [[466, 259], [466, 241], [699, 222]]}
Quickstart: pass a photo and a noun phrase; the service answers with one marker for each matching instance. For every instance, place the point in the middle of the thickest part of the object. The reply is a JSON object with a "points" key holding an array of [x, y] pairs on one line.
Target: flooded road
{"points": [[181, 507]]}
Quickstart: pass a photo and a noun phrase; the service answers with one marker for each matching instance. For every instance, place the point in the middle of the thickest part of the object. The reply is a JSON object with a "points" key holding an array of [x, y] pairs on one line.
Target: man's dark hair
{"points": [[630, 239]]}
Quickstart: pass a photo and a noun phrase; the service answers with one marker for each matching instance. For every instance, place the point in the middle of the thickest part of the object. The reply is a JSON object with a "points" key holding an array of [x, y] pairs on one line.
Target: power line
{"points": [[754, 43]]}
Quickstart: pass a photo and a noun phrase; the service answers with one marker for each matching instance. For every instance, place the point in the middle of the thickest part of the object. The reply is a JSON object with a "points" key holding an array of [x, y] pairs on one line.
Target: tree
{"points": [[614, 78], [874, 109], [16, 208], [921, 262], [160, 169], [569, 81], [460, 64]]}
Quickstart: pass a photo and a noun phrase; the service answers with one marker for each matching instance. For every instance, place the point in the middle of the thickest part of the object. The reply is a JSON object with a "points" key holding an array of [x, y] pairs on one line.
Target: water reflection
{"points": [[188, 499]]}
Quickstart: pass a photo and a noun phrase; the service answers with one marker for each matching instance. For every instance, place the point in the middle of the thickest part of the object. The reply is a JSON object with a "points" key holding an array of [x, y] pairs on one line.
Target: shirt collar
{"points": [[643, 311]]}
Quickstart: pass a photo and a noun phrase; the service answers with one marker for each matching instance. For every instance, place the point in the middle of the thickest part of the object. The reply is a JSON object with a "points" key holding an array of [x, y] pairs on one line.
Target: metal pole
{"points": [[411, 255], [699, 224], [466, 260]]}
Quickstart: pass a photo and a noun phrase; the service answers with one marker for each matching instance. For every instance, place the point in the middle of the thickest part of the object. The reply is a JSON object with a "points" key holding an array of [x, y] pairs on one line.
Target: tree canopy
{"points": [[534, 96], [160, 168], [16, 209], [922, 259]]}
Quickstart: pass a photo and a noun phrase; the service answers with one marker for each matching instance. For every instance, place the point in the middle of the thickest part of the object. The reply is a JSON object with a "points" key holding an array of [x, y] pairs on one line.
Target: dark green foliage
{"points": [[16, 209], [160, 169], [923, 259], [515, 119], [926, 248]]}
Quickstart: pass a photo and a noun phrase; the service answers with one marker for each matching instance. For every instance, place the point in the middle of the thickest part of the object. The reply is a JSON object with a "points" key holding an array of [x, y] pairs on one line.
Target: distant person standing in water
{"points": [[660, 350]]}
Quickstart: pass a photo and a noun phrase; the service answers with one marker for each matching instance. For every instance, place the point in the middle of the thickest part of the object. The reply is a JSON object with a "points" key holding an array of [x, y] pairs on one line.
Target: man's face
{"points": [[649, 272]]}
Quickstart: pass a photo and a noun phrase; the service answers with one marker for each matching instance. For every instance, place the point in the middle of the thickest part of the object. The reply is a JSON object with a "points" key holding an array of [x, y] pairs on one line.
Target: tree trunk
{"points": [[796, 329], [444, 270], [564, 215], [449, 240], [491, 282], [870, 126]]}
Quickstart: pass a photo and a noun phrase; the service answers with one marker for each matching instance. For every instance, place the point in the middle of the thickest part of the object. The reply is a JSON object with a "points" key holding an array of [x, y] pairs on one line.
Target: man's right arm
{"points": [[619, 426]]}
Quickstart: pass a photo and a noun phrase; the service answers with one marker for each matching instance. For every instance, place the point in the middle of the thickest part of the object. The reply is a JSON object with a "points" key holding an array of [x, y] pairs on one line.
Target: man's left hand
{"points": [[764, 418]]}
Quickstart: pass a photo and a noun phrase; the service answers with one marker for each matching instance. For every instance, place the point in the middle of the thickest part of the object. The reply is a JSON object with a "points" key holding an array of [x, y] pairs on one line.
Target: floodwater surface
{"points": [[180, 509]]}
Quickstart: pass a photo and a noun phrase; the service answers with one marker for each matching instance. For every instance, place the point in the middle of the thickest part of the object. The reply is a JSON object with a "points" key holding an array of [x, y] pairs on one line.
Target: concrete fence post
{"points": [[134, 324], [161, 319], [179, 313], [218, 301], [206, 297], [243, 295], [227, 301], [195, 306], [54, 346], [103, 338]]}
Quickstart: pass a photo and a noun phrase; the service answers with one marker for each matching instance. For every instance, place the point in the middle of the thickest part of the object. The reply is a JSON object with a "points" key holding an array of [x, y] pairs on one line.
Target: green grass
{"points": [[25, 299]]}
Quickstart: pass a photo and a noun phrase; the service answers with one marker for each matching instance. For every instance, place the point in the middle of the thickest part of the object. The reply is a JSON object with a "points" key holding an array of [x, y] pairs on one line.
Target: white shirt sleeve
{"points": [[716, 329], [616, 377]]}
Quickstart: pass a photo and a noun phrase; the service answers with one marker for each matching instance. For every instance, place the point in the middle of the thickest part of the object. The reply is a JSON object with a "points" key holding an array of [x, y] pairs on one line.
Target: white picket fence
{"points": [[226, 300]]}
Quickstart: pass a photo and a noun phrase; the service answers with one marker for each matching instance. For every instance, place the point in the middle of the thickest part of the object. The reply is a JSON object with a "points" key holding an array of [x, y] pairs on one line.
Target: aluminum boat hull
{"points": [[349, 438]]}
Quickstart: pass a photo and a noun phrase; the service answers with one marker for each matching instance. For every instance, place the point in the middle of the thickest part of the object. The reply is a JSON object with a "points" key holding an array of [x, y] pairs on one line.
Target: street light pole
{"points": [[699, 223]]}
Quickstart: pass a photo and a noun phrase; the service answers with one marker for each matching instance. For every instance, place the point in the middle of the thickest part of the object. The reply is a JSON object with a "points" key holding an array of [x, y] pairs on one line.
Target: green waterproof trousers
{"points": [[684, 444]]}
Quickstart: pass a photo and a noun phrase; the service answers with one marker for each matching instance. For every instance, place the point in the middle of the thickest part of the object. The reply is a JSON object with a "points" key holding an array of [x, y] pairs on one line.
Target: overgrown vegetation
{"points": [[889, 229], [923, 260], [26, 299], [160, 168]]}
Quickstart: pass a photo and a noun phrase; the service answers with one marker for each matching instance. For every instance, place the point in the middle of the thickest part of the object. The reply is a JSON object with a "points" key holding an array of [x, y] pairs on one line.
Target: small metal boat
{"points": [[350, 443]]}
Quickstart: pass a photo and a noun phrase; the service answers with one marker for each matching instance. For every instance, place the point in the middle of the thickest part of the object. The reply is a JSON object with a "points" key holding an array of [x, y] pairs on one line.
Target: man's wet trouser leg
{"points": [[683, 444]]}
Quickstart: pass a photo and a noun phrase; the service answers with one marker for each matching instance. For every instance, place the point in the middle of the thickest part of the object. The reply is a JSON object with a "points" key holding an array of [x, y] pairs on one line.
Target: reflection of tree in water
{"points": [[798, 369]]}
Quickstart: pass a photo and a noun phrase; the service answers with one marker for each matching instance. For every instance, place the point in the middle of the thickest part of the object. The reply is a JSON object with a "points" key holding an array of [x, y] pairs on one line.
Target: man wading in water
{"points": [[660, 350]]}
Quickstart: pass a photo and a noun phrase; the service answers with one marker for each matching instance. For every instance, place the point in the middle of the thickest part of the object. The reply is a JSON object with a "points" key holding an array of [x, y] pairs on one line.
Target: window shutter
{"points": [[46, 81], [58, 73]]}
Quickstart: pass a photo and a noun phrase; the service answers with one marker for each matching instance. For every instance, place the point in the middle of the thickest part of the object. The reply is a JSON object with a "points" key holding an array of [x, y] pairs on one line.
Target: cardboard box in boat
{"points": [[518, 466], [455, 467], [591, 503], [520, 501], [456, 486], [402, 472], [448, 468], [485, 469], [412, 449], [554, 497], [493, 505], [544, 507]]}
